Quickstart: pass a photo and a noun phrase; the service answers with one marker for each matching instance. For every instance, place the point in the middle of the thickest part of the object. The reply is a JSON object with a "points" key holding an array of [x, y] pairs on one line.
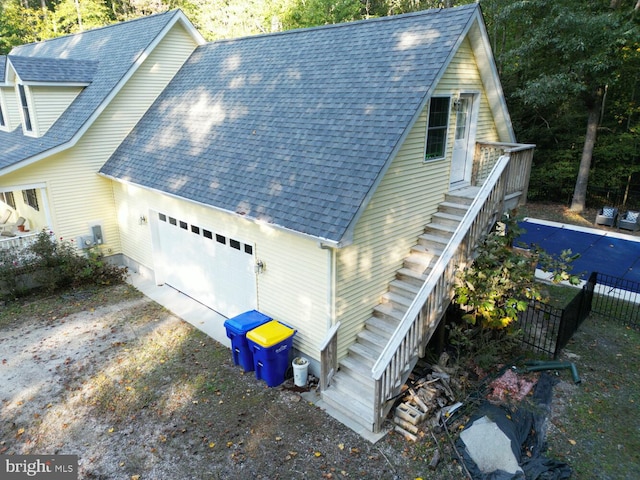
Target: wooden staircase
{"points": [[352, 387]]}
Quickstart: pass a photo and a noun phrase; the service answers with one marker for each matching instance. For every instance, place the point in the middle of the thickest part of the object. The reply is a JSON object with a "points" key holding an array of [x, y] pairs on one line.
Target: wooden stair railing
{"points": [[421, 319]]}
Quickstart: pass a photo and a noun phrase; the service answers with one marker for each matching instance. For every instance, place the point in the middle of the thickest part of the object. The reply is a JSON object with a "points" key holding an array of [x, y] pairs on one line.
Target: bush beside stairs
{"points": [[351, 392]]}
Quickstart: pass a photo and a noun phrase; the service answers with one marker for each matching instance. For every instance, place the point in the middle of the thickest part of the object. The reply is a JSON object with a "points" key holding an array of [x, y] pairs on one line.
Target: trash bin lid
{"points": [[246, 321], [270, 334]]}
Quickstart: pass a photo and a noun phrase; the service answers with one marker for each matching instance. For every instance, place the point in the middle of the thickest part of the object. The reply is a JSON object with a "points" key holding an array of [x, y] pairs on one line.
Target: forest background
{"points": [[570, 70]]}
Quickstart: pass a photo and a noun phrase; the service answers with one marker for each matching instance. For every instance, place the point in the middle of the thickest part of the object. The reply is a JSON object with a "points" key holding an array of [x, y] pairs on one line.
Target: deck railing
{"points": [[19, 241], [509, 173], [329, 357]]}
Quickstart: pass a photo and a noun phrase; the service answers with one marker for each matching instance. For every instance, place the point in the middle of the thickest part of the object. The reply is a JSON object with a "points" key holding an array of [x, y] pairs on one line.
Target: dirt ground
{"points": [[137, 393]]}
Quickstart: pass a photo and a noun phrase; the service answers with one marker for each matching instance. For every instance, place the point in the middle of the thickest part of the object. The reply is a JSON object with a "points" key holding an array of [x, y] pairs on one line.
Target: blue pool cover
{"points": [[611, 253]]}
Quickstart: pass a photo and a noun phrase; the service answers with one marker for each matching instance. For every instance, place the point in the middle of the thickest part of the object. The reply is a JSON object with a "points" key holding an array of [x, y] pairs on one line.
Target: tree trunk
{"points": [[580, 191]]}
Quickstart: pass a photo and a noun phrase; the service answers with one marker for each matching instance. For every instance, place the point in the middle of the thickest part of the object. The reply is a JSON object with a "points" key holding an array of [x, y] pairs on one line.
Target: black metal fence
{"points": [[546, 329], [617, 299]]}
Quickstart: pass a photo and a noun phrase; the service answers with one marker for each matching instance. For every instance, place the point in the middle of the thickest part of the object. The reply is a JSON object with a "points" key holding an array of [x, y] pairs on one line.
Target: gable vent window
{"points": [[7, 197], [437, 128], [25, 109], [30, 197]]}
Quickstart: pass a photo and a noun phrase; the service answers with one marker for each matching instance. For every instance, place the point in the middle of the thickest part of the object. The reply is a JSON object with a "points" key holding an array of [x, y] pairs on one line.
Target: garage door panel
{"points": [[208, 266]]}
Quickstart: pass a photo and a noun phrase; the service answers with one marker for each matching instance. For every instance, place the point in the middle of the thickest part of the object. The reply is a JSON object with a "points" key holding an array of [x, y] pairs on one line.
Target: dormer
{"points": [[8, 108], [43, 89]]}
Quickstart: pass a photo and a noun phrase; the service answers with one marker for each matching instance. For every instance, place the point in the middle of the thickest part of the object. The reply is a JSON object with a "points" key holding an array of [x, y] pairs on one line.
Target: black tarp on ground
{"points": [[524, 426]]}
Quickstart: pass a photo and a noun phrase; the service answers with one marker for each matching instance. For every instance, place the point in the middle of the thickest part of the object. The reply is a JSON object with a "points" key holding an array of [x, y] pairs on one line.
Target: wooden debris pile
{"points": [[428, 397]]}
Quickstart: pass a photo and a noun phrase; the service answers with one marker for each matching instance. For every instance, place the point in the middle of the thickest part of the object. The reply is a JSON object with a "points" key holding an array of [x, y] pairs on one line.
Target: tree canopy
{"points": [[569, 67]]}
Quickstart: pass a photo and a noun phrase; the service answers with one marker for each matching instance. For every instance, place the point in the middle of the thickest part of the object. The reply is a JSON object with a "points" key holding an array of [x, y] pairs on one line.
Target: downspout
{"points": [[331, 293]]}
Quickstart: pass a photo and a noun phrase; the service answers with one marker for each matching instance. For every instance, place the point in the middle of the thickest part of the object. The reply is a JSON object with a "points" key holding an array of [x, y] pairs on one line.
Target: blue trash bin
{"points": [[237, 328], [271, 346]]}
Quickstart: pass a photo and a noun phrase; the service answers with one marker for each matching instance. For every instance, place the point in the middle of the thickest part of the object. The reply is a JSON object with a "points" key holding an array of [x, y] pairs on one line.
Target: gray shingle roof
{"points": [[53, 70], [292, 128], [115, 49]]}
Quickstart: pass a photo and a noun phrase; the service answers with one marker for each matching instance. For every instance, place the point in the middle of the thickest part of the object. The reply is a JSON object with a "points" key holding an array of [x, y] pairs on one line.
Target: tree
{"points": [[501, 281], [558, 55]]}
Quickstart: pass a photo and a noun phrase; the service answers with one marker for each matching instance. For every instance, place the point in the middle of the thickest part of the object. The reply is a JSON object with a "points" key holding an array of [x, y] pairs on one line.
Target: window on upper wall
{"points": [[2, 121], [7, 197], [30, 197], [437, 128], [25, 109]]}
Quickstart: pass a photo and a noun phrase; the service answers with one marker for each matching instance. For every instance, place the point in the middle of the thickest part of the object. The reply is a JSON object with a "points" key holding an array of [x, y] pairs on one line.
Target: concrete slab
{"points": [[200, 316]]}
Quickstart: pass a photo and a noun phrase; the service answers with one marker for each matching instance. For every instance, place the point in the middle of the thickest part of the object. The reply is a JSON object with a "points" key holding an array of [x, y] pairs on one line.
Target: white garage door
{"points": [[213, 268]]}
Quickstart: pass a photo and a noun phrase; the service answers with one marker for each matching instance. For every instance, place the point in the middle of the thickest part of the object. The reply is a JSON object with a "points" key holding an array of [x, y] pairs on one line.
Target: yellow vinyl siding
{"points": [[78, 196], [402, 205], [49, 103], [294, 286], [12, 111], [462, 75]]}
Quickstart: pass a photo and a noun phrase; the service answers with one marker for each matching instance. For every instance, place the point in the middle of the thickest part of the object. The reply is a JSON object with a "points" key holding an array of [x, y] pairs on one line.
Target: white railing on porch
{"points": [[20, 241], [509, 174]]}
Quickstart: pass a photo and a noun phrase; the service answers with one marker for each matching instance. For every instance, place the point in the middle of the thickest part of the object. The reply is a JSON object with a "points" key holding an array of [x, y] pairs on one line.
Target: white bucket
{"points": [[300, 371]]}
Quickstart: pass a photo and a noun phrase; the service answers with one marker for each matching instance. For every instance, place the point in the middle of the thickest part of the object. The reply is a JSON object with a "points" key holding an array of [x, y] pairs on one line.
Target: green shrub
{"points": [[49, 265]]}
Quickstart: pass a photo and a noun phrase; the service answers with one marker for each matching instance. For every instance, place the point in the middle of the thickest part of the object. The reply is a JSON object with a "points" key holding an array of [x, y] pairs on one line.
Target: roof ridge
{"points": [[386, 18], [96, 29]]}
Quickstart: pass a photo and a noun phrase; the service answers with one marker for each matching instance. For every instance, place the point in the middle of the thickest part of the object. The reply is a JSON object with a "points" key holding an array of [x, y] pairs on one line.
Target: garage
{"points": [[205, 263]]}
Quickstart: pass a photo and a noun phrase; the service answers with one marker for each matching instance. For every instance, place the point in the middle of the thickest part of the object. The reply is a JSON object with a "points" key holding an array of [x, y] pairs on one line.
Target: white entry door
{"points": [[214, 268], [462, 152]]}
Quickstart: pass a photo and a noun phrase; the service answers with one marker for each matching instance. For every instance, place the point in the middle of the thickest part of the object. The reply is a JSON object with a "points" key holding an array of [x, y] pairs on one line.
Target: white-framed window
{"points": [[30, 197], [24, 104], [437, 127], [8, 198]]}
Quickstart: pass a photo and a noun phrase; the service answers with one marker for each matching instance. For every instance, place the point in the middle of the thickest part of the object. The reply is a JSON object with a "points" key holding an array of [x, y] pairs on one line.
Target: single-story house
{"points": [[326, 177]]}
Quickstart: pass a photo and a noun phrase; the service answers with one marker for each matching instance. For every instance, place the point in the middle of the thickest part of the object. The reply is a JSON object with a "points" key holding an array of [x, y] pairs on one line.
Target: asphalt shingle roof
{"points": [[53, 70], [113, 49], [293, 128]]}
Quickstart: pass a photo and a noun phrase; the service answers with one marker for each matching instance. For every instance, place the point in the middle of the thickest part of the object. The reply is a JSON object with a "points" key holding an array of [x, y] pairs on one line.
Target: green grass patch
{"points": [[599, 431]]}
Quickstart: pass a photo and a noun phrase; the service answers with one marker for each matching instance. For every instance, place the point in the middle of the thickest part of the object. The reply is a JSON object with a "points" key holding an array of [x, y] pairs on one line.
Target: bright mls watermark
{"points": [[39, 467]]}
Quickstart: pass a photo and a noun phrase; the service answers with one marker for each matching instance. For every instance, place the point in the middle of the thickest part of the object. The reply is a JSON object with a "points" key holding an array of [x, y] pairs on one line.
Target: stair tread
{"points": [[400, 300], [369, 353], [355, 407], [427, 250], [414, 274], [447, 216], [388, 310], [454, 204], [440, 227], [354, 386], [419, 258], [358, 368], [372, 337], [409, 288], [433, 237]]}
